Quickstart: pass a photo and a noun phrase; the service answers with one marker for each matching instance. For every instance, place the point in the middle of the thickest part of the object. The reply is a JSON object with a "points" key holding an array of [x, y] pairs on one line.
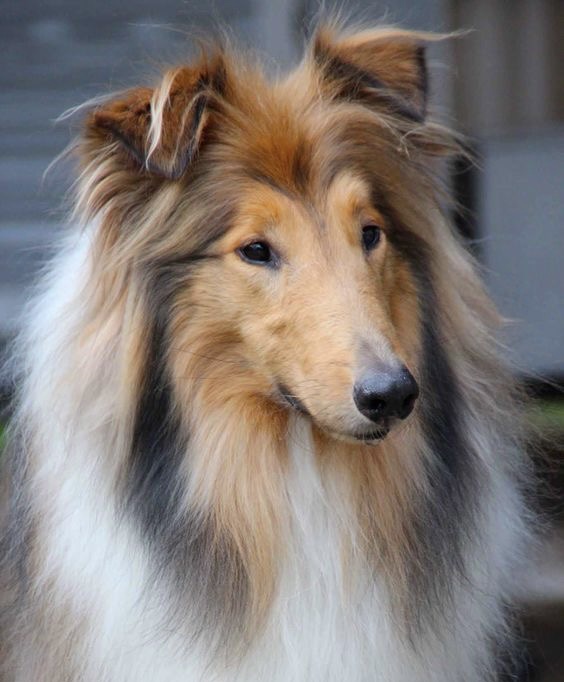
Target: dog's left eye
{"points": [[371, 235], [258, 253]]}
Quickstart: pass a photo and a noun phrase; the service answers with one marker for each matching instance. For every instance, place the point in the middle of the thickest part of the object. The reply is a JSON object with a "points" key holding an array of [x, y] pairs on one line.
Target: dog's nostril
{"points": [[386, 393], [407, 406], [377, 405]]}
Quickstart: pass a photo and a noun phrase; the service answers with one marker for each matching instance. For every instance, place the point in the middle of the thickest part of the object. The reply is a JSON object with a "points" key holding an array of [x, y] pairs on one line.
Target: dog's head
{"points": [[279, 228]]}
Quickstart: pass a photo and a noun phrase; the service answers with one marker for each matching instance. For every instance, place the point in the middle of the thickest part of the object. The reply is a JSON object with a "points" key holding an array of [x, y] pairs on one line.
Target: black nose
{"points": [[386, 393]]}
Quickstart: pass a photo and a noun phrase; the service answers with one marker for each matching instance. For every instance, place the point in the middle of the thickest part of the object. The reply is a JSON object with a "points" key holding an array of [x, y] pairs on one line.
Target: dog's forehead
{"points": [[278, 148], [296, 148]]}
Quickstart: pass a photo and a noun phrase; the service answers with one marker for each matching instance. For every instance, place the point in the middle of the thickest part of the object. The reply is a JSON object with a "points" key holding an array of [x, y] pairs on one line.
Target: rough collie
{"points": [[263, 431]]}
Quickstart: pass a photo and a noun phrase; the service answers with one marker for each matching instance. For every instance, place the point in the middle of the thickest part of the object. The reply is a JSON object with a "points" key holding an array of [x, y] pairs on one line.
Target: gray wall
{"points": [[522, 209]]}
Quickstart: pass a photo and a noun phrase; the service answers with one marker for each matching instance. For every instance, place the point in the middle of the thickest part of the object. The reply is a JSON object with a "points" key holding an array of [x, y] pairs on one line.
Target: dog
{"points": [[264, 428]]}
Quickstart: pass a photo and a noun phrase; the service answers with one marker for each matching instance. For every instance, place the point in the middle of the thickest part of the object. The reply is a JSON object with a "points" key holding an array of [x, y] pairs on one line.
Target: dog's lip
{"points": [[374, 435], [371, 437], [293, 401], [368, 437]]}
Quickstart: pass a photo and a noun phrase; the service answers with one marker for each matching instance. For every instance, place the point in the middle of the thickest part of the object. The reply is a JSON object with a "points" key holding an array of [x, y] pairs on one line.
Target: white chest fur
{"points": [[321, 629]]}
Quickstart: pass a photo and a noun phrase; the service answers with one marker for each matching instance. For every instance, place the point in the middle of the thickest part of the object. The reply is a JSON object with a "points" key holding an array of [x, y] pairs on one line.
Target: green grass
{"points": [[549, 414]]}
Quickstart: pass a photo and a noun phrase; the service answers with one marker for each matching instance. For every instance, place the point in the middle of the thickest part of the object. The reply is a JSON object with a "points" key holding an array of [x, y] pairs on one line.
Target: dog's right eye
{"points": [[257, 253]]}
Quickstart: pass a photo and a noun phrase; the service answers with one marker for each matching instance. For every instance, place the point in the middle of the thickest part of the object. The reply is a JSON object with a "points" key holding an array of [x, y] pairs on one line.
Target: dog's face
{"points": [[303, 286], [324, 307]]}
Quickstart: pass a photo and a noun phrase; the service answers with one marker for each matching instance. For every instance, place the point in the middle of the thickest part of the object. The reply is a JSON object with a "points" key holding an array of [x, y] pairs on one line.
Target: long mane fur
{"points": [[137, 405]]}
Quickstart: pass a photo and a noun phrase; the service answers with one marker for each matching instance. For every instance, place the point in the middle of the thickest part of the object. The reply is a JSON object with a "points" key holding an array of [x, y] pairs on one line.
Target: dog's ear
{"points": [[161, 130], [381, 68]]}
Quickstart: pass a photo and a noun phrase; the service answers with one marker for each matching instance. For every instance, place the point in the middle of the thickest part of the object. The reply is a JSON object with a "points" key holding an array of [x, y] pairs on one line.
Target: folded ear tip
{"points": [[379, 65], [161, 129]]}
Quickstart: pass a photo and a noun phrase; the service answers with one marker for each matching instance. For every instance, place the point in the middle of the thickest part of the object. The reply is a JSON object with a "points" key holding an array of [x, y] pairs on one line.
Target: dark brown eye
{"points": [[371, 235], [257, 253]]}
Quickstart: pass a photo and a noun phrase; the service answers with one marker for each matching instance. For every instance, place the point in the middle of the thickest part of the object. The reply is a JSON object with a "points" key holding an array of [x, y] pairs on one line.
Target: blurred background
{"points": [[502, 84]]}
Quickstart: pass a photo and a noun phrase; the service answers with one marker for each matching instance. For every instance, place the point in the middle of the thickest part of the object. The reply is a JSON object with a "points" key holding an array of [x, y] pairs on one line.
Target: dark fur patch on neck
{"points": [[211, 585], [442, 522]]}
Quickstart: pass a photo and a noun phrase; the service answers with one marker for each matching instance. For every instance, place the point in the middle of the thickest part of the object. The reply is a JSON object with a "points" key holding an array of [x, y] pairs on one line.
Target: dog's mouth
{"points": [[371, 436], [374, 436], [292, 400]]}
